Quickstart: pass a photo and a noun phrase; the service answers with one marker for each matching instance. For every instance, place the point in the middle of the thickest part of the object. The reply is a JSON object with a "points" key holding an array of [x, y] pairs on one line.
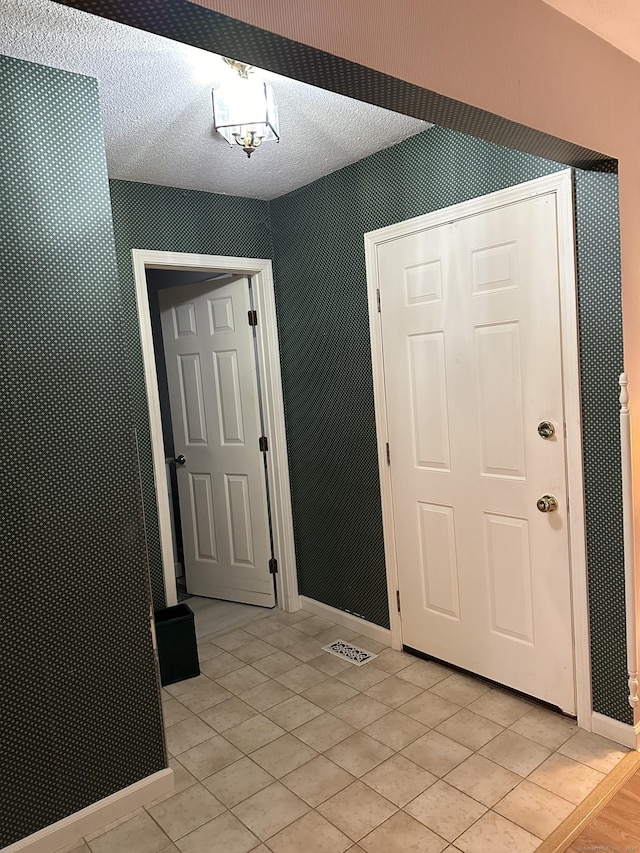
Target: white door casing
{"points": [[478, 331], [213, 392], [261, 274]]}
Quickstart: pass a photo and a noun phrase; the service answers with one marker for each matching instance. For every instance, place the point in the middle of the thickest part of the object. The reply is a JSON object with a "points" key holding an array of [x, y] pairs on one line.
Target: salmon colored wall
{"points": [[522, 60], [617, 22]]}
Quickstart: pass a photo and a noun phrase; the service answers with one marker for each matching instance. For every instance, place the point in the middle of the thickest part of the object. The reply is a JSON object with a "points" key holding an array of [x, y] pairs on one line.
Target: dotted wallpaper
{"points": [[79, 704], [601, 356], [79, 707], [323, 325], [326, 361], [173, 220]]}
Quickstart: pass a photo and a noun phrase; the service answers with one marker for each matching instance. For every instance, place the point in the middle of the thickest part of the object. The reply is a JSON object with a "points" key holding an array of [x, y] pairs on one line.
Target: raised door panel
{"points": [[495, 268], [203, 518], [221, 315], [184, 321], [423, 283], [428, 388], [239, 519], [500, 392], [508, 567], [439, 561], [192, 398], [228, 397]]}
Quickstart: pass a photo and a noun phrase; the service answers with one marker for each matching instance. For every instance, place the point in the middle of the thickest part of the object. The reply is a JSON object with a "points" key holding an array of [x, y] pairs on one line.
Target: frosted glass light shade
{"points": [[245, 105]]}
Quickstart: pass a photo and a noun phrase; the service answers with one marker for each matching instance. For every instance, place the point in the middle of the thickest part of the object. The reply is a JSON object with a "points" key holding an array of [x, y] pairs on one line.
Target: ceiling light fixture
{"points": [[244, 109]]}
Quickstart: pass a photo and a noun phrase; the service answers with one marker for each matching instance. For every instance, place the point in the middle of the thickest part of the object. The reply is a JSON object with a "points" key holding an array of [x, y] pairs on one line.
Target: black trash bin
{"points": [[177, 647]]}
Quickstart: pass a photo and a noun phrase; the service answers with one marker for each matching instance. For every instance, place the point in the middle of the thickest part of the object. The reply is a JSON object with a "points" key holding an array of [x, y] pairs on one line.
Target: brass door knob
{"points": [[547, 503]]}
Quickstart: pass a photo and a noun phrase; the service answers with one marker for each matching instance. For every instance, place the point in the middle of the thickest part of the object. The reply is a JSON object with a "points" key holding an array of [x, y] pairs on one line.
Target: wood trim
{"points": [[559, 183], [346, 620], [261, 272], [591, 806], [71, 830]]}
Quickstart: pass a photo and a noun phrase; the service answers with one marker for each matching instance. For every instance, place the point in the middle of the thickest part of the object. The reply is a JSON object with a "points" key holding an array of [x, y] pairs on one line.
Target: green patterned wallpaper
{"points": [[317, 235], [601, 358], [79, 706], [326, 361], [173, 220], [74, 517]]}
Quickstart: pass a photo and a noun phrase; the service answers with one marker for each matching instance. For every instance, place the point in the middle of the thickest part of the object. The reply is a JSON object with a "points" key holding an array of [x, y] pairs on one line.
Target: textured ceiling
{"points": [[156, 104]]}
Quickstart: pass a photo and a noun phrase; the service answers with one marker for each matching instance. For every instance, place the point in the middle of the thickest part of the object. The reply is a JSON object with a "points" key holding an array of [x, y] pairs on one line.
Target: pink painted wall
{"points": [[616, 21], [521, 59]]}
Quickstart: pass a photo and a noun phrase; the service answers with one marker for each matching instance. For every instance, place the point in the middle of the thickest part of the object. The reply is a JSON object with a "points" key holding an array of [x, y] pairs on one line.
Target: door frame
{"points": [[261, 273], [561, 185]]}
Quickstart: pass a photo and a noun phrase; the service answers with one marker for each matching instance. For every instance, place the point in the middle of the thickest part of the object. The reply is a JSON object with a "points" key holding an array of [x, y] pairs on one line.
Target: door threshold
{"points": [[526, 696], [588, 810]]}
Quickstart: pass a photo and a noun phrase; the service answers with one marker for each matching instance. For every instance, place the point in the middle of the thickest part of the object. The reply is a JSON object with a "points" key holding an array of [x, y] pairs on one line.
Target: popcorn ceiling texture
{"points": [[155, 95]]}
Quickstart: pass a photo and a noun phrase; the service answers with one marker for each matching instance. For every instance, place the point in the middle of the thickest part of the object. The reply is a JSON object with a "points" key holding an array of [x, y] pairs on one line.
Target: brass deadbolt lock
{"points": [[547, 503], [546, 429]]}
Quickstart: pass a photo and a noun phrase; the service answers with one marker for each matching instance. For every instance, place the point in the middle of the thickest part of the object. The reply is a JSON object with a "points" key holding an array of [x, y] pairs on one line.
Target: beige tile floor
{"points": [[278, 746]]}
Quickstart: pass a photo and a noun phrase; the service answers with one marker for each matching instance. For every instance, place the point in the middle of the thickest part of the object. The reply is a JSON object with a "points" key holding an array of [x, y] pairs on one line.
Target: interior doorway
{"points": [[242, 526]]}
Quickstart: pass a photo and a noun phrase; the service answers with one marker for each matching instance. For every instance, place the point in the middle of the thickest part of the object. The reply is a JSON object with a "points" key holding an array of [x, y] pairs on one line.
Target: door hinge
{"points": [[398, 599], [273, 566], [388, 454], [378, 298], [263, 444], [253, 318]]}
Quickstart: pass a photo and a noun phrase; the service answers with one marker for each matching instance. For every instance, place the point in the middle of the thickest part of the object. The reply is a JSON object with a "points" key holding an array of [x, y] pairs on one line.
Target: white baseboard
{"points": [[72, 829], [347, 620], [622, 733]]}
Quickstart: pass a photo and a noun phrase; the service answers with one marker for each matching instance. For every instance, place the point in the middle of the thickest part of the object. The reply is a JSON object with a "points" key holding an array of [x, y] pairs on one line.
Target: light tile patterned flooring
{"points": [[279, 746]]}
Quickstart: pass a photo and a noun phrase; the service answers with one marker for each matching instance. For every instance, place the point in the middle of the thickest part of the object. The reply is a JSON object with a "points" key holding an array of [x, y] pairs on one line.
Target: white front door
{"points": [[470, 316], [214, 404]]}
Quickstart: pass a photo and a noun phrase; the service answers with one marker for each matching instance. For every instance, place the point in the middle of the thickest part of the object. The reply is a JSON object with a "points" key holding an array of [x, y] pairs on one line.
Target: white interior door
{"points": [[213, 392], [470, 315]]}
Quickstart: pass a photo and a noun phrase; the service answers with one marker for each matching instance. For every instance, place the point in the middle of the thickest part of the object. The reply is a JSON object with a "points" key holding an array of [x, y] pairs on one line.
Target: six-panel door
{"points": [[211, 373], [473, 363]]}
